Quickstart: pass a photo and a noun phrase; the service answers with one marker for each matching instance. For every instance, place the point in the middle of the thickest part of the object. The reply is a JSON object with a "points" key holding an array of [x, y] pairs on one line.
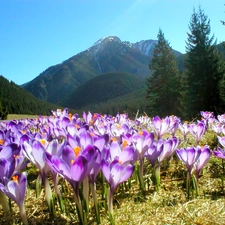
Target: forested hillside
{"points": [[19, 101], [103, 88]]}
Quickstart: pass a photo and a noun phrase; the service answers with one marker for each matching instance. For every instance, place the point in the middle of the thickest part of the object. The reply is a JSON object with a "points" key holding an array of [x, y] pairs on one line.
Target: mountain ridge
{"points": [[107, 55]]}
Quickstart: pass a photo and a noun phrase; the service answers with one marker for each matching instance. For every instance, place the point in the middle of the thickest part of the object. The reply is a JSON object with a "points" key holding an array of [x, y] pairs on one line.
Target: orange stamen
{"points": [[77, 150], [125, 143], [15, 156], [77, 126], [114, 139], [1, 141], [15, 178], [43, 141], [70, 116]]}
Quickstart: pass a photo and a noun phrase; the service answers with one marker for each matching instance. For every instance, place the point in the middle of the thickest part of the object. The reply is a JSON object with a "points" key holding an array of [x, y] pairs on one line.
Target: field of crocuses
{"points": [[88, 168]]}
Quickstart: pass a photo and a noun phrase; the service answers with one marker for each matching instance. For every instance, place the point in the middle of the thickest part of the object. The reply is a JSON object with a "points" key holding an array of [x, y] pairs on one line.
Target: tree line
{"points": [[199, 87], [15, 100]]}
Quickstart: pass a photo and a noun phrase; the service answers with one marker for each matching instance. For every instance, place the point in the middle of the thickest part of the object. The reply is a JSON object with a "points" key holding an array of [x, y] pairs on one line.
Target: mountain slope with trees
{"points": [[108, 55], [103, 88], [16, 100]]}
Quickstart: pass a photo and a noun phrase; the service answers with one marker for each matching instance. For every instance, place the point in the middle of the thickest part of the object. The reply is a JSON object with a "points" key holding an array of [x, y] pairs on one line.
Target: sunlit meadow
{"points": [[103, 169]]}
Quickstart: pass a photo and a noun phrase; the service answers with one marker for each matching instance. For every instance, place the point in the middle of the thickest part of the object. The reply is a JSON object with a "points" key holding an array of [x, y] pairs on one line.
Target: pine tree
{"points": [[204, 68], [163, 85]]}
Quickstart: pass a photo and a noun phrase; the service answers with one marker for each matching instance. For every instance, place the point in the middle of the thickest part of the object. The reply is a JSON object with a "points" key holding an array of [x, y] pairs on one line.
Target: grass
{"points": [[20, 116], [168, 206], [132, 207]]}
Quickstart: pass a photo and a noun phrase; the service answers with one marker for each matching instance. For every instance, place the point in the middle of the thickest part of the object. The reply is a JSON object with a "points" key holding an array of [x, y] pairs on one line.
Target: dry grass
{"points": [[133, 207], [169, 206], [20, 116]]}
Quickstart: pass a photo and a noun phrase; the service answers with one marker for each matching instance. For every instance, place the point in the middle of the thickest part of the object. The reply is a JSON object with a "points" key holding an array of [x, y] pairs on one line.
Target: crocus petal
{"points": [[101, 141], [68, 154], [16, 190], [72, 141], [85, 139], [203, 159], [59, 166], [105, 169], [128, 170], [221, 140], [116, 174], [115, 150], [167, 146], [38, 154], [79, 169], [127, 154], [220, 153]]}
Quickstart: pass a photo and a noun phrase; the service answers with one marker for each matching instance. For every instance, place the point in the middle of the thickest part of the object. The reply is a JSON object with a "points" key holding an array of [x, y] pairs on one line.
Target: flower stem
{"points": [[140, 175], [23, 214], [157, 177], [110, 206], [93, 190], [4, 202], [188, 184]]}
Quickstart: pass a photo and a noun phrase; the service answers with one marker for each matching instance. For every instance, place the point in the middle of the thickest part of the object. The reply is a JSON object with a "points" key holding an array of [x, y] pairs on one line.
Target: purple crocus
{"points": [[16, 189], [124, 155], [157, 152], [142, 142], [189, 156], [115, 173], [35, 152], [74, 170], [203, 159], [197, 130], [184, 128], [220, 152], [162, 126]]}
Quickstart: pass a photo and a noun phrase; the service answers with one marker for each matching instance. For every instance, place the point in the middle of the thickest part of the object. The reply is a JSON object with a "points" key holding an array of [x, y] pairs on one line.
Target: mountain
{"points": [[107, 55], [102, 88], [19, 101]]}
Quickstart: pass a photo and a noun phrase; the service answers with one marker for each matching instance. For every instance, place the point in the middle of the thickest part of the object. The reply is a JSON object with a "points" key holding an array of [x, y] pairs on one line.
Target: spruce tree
{"points": [[163, 84], [204, 68]]}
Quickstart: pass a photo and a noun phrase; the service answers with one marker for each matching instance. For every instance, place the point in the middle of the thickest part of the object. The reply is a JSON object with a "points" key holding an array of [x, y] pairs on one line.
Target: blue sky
{"points": [[36, 34]]}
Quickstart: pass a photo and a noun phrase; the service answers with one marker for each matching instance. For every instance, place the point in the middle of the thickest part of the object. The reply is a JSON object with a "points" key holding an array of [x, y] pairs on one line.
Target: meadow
{"points": [[121, 171]]}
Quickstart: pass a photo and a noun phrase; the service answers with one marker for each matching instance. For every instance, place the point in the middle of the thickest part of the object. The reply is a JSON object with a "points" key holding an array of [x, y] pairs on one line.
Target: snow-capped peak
{"points": [[100, 44], [145, 47]]}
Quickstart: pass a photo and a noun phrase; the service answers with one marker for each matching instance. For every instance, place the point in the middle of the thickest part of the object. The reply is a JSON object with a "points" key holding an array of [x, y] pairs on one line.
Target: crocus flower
{"points": [[36, 154], [16, 189], [115, 173], [208, 117], [142, 142], [197, 130], [189, 156], [174, 123], [221, 118], [158, 151], [124, 155], [74, 170], [184, 128], [220, 152], [203, 159], [162, 126]]}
